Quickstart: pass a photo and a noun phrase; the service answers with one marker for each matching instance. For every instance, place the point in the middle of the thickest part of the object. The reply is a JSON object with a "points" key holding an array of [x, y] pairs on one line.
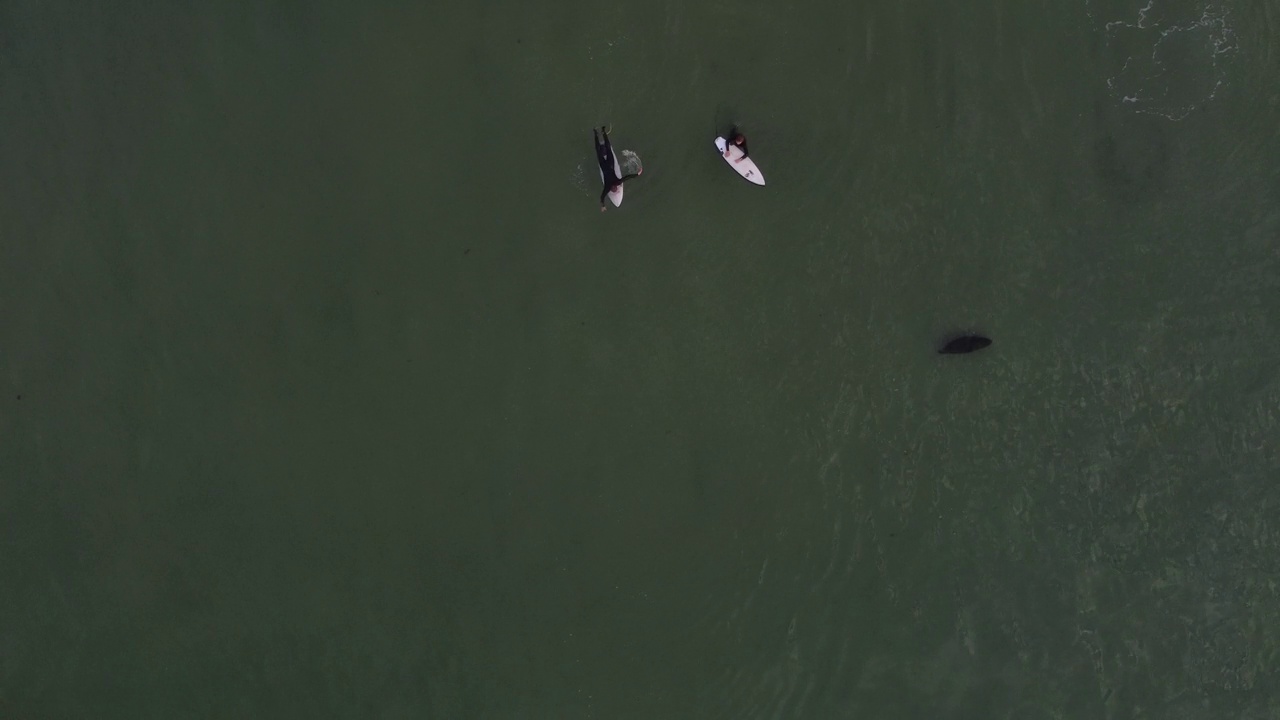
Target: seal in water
{"points": [[964, 344]]}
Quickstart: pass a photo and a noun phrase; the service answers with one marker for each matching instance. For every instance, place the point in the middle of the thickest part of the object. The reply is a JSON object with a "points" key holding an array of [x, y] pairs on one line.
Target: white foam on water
{"points": [[578, 178], [629, 162], [1169, 68]]}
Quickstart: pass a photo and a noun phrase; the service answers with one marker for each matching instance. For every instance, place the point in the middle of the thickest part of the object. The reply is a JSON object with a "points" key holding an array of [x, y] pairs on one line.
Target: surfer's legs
{"points": [[609, 159], [603, 154]]}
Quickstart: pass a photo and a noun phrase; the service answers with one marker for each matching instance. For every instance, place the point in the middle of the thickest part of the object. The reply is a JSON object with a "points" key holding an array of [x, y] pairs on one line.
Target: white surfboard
{"points": [[616, 194], [746, 168]]}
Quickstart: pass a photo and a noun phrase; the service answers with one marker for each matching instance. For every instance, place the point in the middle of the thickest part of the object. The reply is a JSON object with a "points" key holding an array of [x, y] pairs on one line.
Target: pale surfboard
{"points": [[746, 168]]}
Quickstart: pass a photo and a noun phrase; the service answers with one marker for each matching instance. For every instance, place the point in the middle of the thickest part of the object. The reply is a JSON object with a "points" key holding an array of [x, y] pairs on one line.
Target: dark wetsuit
{"points": [[604, 155], [735, 135]]}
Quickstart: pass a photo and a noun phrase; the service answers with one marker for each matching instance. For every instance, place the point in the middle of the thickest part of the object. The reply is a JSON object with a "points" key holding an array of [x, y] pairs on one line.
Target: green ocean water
{"points": [[329, 392]]}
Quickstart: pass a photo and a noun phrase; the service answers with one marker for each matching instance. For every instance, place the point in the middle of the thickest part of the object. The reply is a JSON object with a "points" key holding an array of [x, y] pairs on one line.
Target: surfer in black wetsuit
{"points": [[604, 155], [737, 138]]}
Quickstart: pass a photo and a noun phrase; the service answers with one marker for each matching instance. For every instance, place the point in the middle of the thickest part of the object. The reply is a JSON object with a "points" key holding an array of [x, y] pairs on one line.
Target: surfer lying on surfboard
{"points": [[737, 138], [604, 155]]}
